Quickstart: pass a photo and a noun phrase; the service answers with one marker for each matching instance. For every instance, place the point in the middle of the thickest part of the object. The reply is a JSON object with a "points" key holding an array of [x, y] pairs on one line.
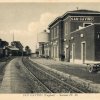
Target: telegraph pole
{"points": [[37, 40], [77, 8], [13, 37]]}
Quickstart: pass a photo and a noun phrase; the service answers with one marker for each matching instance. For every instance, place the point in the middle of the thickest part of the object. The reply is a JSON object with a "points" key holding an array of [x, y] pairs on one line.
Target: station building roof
{"points": [[12, 48], [77, 13]]}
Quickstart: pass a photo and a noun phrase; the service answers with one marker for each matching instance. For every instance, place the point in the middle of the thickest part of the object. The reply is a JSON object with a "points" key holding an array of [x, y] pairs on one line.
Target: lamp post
{"points": [[22, 52]]}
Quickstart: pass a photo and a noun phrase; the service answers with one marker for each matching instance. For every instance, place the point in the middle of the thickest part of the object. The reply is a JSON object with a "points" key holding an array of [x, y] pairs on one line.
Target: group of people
{"points": [[62, 57]]}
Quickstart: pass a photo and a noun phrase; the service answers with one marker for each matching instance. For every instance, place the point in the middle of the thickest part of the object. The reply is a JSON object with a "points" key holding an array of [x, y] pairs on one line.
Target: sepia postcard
{"points": [[50, 49]]}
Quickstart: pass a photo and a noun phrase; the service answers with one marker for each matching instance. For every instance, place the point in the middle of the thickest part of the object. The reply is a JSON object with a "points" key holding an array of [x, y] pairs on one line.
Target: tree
{"points": [[28, 50], [3, 43]]}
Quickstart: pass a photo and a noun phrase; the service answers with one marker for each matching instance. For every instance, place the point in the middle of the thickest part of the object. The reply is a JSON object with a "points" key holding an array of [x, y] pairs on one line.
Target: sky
{"points": [[26, 20]]}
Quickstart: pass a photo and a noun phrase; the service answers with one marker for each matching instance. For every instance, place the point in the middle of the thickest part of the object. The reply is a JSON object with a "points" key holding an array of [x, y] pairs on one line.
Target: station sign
{"points": [[82, 18]]}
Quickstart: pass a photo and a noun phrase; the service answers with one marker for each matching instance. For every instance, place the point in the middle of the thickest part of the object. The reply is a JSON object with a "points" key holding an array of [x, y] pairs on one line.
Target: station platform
{"points": [[76, 72], [14, 80]]}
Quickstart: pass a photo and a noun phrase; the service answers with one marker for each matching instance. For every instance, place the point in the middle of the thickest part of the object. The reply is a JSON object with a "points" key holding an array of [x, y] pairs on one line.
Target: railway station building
{"points": [[56, 38], [75, 35], [85, 44]]}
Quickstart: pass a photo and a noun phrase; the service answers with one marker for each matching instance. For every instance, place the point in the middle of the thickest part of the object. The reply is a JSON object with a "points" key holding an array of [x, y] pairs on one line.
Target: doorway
{"points": [[83, 51], [73, 52]]}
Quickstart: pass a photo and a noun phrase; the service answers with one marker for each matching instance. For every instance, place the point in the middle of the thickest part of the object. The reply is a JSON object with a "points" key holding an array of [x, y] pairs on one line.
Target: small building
{"points": [[41, 49], [34, 55], [43, 39], [77, 20], [47, 49], [85, 44], [17, 44], [11, 51], [37, 52]]}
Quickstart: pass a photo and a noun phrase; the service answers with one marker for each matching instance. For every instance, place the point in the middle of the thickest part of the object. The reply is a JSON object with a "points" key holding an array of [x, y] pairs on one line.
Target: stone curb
{"points": [[93, 87]]}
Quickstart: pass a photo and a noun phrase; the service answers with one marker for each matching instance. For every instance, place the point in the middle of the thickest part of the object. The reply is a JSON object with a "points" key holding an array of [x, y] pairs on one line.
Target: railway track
{"points": [[58, 75], [49, 81], [33, 77]]}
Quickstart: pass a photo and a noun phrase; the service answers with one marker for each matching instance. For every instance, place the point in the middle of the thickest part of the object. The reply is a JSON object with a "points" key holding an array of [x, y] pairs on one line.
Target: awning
{"points": [[16, 49]]}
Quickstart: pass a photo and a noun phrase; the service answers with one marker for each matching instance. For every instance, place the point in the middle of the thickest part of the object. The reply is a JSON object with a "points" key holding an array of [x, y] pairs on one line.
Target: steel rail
{"points": [[37, 78], [72, 87]]}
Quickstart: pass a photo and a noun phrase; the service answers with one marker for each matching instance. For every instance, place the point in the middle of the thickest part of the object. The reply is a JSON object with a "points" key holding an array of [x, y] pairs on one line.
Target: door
{"points": [[73, 52], [83, 51]]}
